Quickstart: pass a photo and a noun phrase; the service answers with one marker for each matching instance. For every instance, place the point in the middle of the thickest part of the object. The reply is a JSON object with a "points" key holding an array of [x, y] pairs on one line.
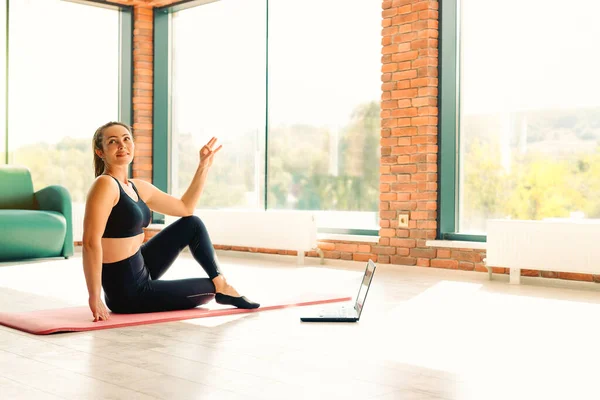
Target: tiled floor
{"points": [[424, 334]]}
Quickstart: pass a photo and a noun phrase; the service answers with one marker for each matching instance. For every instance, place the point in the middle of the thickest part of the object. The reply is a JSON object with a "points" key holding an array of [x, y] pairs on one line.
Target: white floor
{"points": [[424, 334]]}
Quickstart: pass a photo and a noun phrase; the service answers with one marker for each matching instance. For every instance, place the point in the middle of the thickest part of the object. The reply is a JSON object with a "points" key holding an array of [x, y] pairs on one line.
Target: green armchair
{"points": [[33, 224]]}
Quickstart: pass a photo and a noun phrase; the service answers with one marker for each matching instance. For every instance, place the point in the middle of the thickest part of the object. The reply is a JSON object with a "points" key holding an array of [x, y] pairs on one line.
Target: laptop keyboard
{"points": [[337, 312]]}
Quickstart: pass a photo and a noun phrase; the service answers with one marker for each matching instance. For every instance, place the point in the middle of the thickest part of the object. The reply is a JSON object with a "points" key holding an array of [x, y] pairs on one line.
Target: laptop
{"points": [[345, 313]]}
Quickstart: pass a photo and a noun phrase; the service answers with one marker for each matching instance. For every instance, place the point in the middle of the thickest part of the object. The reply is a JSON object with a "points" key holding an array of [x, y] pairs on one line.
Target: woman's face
{"points": [[117, 146]]}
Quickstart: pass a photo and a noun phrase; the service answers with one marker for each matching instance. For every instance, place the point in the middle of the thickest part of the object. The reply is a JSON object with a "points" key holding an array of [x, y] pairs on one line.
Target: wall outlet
{"points": [[403, 221]]}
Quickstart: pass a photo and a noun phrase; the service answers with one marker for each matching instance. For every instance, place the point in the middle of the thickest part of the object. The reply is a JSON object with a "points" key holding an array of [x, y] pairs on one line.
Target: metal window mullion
{"points": [[6, 61], [160, 131], [448, 128], [126, 67], [266, 185], [161, 104]]}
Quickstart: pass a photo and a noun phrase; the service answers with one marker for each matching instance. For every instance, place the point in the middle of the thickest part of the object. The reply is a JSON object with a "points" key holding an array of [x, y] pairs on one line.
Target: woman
{"points": [[114, 256]]}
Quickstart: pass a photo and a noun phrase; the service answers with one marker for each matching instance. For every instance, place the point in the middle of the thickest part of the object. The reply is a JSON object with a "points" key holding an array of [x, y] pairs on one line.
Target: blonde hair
{"points": [[97, 145]]}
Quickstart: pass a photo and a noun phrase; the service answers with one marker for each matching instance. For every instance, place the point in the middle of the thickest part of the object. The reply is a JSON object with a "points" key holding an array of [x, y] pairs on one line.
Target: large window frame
{"points": [[162, 134], [449, 124]]}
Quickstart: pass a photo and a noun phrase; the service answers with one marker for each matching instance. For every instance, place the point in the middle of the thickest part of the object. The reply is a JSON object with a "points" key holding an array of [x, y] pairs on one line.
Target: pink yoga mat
{"points": [[76, 319]]}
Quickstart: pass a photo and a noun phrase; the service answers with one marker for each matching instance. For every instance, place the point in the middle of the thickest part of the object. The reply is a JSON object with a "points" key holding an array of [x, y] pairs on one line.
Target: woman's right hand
{"points": [[207, 153], [99, 310]]}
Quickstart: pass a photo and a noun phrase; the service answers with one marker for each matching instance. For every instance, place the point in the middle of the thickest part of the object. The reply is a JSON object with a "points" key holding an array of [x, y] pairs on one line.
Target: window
{"points": [[218, 89], [528, 115], [324, 110], [317, 94], [63, 84]]}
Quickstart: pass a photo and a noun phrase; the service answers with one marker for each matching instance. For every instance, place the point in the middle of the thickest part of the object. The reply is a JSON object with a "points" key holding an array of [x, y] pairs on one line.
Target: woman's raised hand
{"points": [[207, 153]]}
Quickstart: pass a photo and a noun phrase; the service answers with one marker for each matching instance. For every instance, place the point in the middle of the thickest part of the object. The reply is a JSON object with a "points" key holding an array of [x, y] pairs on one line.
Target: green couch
{"points": [[33, 224]]}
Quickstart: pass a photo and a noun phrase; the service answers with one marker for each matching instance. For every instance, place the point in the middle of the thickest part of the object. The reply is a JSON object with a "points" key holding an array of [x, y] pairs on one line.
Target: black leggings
{"points": [[133, 286]]}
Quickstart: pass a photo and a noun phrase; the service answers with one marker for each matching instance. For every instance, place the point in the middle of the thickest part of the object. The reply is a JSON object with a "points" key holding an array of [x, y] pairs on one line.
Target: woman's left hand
{"points": [[207, 153]]}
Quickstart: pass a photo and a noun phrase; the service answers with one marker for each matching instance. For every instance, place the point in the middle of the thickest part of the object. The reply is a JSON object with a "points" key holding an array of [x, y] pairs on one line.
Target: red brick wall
{"points": [[143, 71], [143, 90], [409, 117], [409, 141]]}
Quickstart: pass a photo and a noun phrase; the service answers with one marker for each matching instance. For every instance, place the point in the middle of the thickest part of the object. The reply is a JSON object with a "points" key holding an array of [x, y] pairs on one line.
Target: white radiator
{"points": [[547, 245], [281, 230]]}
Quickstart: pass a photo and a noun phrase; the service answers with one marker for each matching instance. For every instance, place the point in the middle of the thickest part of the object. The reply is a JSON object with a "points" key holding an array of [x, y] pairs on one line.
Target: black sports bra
{"points": [[128, 217]]}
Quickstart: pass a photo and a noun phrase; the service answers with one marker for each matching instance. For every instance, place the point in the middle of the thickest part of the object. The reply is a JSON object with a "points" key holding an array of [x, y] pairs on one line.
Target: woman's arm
{"points": [[100, 200], [164, 203]]}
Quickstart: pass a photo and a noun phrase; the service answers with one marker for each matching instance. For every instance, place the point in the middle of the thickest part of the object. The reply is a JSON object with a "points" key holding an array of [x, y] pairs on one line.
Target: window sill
{"points": [[457, 244], [348, 238]]}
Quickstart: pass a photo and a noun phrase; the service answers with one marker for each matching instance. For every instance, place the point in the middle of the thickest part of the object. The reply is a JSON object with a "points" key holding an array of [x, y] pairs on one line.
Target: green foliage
{"points": [[312, 169], [231, 176], [546, 181], [68, 163], [541, 188], [587, 182], [581, 124], [485, 185], [309, 168]]}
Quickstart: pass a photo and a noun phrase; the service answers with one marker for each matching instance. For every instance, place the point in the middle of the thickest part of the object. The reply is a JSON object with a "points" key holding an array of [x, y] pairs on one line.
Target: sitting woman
{"points": [[114, 256]]}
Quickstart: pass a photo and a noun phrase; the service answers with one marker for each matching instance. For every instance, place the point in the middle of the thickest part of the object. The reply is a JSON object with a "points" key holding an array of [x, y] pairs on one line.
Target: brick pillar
{"points": [[409, 118], [143, 70]]}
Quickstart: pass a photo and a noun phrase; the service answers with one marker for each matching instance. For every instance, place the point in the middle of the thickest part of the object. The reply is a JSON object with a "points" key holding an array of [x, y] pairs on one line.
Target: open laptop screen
{"points": [[364, 287]]}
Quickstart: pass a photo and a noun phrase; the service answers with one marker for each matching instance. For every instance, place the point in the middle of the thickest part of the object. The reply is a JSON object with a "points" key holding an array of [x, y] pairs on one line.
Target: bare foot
{"points": [[221, 286]]}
